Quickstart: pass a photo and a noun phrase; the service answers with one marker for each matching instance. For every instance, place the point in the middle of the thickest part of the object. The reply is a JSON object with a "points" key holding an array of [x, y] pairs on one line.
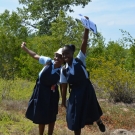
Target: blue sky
{"points": [[109, 15]]}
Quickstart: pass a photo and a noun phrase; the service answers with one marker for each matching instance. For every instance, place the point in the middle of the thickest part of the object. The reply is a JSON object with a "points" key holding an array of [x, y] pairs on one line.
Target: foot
{"points": [[101, 126]]}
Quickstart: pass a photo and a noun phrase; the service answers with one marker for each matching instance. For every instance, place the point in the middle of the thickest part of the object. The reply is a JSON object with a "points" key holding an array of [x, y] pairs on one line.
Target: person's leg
{"points": [[51, 128], [77, 132], [100, 125], [41, 129]]}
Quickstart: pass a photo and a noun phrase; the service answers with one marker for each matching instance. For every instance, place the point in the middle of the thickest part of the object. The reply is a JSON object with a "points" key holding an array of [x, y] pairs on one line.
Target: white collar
{"points": [[73, 63], [54, 69]]}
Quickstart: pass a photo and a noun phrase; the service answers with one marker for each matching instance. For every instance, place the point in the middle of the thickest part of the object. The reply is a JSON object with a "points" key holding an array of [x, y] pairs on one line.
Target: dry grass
{"points": [[13, 122]]}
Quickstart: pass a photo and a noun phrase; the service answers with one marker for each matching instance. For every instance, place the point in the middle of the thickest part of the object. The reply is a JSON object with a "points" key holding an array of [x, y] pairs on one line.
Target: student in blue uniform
{"points": [[43, 105], [83, 107]]}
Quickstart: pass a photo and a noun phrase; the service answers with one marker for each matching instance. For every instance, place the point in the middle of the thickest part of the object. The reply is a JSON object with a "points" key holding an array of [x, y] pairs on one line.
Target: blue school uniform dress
{"points": [[83, 107], [43, 104]]}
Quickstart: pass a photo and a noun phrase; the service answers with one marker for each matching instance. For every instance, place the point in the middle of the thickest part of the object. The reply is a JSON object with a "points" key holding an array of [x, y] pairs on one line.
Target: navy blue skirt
{"points": [[43, 105], [83, 107]]}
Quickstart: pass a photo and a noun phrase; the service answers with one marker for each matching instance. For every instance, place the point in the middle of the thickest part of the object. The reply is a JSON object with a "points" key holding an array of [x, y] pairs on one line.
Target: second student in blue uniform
{"points": [[83, 107]]}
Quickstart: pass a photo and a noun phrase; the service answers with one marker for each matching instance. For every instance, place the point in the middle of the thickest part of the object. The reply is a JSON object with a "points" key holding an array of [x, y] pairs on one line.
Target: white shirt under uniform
{"points": [[44, 60], [80, 56]]}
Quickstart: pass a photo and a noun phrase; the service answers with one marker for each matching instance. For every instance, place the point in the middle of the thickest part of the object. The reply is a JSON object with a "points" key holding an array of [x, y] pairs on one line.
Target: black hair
{"points": [[71, 47]]}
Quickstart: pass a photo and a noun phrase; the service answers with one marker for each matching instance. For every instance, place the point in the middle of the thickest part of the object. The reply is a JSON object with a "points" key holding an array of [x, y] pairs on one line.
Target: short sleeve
{"points": [[43, 60], [63, 79], [82, 57]]}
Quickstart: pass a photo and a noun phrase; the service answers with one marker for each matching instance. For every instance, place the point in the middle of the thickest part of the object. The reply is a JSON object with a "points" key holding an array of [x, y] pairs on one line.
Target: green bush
{"points": [[17, 89], [114, 80]]}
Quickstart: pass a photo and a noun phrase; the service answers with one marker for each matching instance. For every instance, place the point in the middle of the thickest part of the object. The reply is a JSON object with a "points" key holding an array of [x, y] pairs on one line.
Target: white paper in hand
{"points": [[88, 23]]}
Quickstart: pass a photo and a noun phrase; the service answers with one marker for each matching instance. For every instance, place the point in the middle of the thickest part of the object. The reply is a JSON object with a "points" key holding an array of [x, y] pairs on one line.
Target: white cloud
{"points": [[108, 12], [109, 15], [109, 5]]}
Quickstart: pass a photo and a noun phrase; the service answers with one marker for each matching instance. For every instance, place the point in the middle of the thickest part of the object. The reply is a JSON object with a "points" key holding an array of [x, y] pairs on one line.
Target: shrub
{"points": [[15, 89], [115, 80]]}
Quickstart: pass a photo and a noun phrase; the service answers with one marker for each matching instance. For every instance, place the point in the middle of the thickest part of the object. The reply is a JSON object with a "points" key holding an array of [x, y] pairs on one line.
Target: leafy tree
{"points": [[65, 30], [115, 51], [12, 34], [96, 51], [12, 24], [42, 45], [43, 12], [129, 43], [127, 40], [118, 83]]}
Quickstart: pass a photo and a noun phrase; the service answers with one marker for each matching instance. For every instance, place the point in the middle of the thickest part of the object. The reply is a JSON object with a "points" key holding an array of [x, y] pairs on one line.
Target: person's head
{"points": [[68, 52], [58, 60]]}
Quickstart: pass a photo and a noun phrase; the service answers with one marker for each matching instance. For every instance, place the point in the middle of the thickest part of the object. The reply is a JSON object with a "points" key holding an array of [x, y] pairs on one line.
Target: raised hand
{"points": [[23, 45]]}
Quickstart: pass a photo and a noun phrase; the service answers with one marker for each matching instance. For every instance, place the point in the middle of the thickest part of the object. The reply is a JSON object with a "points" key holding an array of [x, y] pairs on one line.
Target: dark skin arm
{"points": [[85, 40], [64, 93], [61, 89], [30, 52]]}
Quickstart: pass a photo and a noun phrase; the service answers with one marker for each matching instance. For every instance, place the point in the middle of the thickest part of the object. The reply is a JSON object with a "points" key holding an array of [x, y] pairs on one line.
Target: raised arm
{"points": [[30, 52], [85, 40]]}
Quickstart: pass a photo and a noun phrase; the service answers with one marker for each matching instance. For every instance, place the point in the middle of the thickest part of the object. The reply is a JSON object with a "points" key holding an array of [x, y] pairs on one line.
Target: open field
{"points": [[13, 121]]}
